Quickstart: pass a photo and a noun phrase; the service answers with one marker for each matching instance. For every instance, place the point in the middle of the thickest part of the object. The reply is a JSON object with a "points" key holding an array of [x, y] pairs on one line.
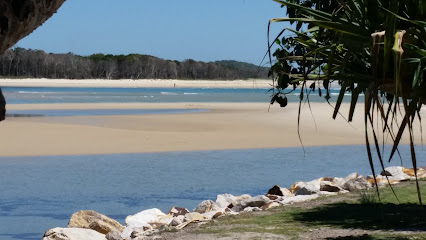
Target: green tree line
{"points": [[20, 62]]}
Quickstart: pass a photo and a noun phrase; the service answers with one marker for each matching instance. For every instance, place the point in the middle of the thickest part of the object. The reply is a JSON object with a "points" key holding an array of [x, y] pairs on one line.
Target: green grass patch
{"points": [[390, 215]]}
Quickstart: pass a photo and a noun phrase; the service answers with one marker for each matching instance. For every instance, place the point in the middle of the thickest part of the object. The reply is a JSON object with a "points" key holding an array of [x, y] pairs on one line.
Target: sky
{"points": [[170, 29]]}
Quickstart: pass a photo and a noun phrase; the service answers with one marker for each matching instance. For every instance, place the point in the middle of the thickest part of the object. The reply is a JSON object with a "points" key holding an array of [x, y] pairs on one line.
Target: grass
{"points": [[385, 220]]}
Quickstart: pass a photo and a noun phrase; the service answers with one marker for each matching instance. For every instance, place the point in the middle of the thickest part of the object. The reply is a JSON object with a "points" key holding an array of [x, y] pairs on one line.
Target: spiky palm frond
{"points": [[373, 47]]}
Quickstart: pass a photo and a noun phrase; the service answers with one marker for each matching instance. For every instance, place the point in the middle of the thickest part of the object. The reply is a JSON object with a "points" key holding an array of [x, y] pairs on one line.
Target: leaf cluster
{"points": [[375, 48]]}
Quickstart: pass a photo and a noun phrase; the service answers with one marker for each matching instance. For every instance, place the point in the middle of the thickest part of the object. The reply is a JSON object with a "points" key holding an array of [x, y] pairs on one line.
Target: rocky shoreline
{"points": [[90, 225]]}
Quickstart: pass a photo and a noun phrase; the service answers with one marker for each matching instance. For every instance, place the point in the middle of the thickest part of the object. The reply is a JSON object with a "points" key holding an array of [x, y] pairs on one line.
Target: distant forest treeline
{"points": [[20, 62]]}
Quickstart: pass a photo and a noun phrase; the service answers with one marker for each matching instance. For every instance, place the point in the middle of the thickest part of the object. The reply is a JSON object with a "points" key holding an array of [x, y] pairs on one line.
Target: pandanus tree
{"points": [[372, 47], [18, 18]]}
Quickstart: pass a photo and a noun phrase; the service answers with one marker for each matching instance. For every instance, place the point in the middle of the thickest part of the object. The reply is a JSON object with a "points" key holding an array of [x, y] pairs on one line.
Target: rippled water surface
{"points": [[19, 95], [38, 193]]}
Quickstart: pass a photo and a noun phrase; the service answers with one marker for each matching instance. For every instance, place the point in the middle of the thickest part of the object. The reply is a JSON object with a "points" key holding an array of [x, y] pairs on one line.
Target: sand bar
{"points": [[224, 126], [140, 83]]}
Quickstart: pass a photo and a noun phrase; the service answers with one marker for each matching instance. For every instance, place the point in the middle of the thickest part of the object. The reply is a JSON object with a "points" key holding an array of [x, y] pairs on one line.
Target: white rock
{"points": [[177, 220], [224, 200], [306, 188], [397, 173], [144, 220], [72, 234]]}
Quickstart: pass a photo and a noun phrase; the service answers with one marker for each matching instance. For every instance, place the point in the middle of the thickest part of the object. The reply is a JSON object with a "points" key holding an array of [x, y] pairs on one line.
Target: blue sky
{"points": [[186, 29]]}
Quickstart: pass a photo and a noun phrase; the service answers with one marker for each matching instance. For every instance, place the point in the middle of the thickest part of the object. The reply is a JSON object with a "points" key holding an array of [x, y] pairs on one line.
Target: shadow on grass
{"points": [[368, 237], [370, 217]]}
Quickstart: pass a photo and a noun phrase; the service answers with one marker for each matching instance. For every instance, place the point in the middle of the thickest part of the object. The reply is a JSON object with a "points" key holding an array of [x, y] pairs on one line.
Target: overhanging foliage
{"points": [[371, 47]]}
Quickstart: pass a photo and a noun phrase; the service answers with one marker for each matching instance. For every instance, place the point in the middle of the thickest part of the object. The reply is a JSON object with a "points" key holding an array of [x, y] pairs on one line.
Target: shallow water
{"points": [[38, 193], [19, 95], [95, 112]]}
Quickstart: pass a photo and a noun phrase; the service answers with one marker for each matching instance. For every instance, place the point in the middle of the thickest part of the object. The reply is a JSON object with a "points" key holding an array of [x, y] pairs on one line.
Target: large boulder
{"points": [[326, 186], [396, 173], [279, 191], [228, 200], [306, 188], [359, 183], [95, 221], [258, 201], [113, 236], [72, 234], [146, 220], [177, 211], [421, 172], [206, 206]]}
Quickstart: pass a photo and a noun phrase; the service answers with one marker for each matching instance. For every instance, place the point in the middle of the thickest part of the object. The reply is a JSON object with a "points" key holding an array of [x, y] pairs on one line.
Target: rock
{"points": [[177, 211], [147, 220], [95, 221], [189, 218], [306, 188], [206, 206], [149, 216], [113, 235], [258, 201], [421, 172], [327, 179], [72, 234], [299, 198], [193, 216], [270, 205], [385, 173], [215, 214], [357, 184], [279, 191], [141, 233], [252, 209], [351, 176], [397, 173], [272, 197], [329, 187], [228, 200], [177, 221]]}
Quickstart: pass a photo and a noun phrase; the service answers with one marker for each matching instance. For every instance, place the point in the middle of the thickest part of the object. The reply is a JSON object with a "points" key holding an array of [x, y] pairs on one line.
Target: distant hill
{"points": [[247, 69], [20, 62]]}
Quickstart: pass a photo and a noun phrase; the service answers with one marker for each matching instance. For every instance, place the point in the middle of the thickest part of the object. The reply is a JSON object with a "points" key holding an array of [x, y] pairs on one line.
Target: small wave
{"points": [[191, 93], [168, 93], [35, 92]]}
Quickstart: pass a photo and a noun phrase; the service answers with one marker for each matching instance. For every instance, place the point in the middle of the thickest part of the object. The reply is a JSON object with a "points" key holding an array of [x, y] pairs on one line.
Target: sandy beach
{"points": [[223, 126]]}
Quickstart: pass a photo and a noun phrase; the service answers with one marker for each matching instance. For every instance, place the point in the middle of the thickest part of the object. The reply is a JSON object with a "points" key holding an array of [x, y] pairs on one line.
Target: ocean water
{"points": [[18, 95], [39, 193]]}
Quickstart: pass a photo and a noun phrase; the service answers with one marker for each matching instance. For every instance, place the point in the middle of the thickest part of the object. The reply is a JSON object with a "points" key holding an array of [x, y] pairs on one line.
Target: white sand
{"points": [[225, 126]]}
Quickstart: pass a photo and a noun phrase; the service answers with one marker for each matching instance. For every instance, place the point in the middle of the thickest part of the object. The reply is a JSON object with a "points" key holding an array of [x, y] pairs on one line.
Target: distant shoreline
{"points": [[139, 83]]}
